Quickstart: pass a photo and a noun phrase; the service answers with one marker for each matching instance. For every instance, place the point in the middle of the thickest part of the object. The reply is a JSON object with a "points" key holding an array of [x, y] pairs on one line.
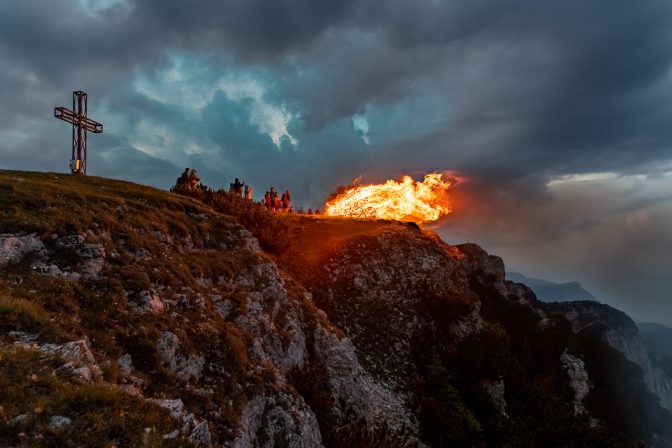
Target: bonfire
{"points": [[405, 200]]}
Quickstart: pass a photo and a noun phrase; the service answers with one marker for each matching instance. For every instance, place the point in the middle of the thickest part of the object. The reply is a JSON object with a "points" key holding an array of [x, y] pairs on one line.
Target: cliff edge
{"points": [[137, 317]]}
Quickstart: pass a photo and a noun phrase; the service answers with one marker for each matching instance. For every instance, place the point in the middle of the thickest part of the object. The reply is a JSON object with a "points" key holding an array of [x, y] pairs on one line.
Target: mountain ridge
{"points": [[551, 291], [160, 311]]}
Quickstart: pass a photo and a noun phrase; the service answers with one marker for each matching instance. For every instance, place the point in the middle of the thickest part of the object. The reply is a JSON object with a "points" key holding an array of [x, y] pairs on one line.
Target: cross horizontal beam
{"points": [[69, 116]]}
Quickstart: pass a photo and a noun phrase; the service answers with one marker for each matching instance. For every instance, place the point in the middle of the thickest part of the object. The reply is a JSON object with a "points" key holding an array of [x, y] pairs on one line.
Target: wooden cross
{"points": [[81, 124]]}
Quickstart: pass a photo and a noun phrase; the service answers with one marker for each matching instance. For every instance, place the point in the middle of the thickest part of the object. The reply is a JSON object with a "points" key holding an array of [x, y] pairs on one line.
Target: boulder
{"points": [[185, 367], [59, 422], [14, 247], [201, 435]]}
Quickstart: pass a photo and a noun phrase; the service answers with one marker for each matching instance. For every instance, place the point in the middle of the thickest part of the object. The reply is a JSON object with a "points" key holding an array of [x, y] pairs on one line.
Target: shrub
{"points": [[268, 227], [22, 315]]}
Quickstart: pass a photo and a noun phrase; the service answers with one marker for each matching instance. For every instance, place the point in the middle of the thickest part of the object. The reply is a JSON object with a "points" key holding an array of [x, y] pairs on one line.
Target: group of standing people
{"points": [[283, 203], [188, 179], [275, 202], [236, 187], [272, 200]]}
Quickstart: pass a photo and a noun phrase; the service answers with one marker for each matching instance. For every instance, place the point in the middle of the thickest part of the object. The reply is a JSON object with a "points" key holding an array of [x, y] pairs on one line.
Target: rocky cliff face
{"points": [[167, 318], [621, 333], [657, 339]]}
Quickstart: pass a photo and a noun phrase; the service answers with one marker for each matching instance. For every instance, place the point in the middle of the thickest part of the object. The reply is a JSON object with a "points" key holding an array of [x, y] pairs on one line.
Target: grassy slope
{"points": [[50, 204], [101, 415], [47, 202], [61, 310], [122, 214], [110, 212]]}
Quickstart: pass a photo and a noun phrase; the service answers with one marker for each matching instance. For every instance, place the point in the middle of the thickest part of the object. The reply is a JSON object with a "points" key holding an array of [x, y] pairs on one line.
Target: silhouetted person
{"points": [[285, 201], [189, 178], [237, 187]]}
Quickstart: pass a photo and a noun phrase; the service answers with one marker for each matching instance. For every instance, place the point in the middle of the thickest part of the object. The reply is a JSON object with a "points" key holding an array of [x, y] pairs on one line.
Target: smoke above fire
{"points": [[405, 200]]}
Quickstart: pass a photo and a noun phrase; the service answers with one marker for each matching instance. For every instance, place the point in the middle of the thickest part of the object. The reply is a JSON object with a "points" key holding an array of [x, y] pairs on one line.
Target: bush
{"points": [[18, 314], [268, 227]]}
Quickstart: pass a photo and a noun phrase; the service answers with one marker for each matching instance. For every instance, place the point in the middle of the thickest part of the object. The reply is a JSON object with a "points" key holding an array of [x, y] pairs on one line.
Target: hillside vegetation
{"points": [[131, 316]]}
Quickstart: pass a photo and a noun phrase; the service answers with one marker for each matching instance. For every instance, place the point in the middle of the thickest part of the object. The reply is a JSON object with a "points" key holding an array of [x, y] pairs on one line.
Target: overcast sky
{"points": [[556, 115]]}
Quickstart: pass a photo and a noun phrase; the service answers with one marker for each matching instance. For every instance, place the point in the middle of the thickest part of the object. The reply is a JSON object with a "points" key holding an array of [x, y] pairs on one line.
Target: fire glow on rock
{"points": [[406, 200]]}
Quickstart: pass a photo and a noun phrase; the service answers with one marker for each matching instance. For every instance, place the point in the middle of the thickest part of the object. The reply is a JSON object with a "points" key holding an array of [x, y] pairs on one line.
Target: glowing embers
{"points": [[406, 200]]}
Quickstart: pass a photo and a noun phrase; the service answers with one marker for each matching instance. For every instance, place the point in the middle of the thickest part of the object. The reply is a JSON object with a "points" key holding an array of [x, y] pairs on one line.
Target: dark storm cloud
{"points": [[60, 44], [252, 28], [297, 168], [578, 82], [59, 40]]}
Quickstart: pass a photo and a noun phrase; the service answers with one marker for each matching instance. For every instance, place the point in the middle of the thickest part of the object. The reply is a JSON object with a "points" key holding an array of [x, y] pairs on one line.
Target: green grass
{"points": [[48, 203], [101, 415], [153, 239]]}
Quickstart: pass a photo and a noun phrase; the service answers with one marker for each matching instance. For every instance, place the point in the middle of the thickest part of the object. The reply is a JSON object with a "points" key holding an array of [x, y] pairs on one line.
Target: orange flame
{"points": [[407, 200]]}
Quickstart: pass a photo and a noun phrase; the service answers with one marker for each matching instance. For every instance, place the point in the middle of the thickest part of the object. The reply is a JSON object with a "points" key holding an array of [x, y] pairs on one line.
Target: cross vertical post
{"points": [[81, 124]]}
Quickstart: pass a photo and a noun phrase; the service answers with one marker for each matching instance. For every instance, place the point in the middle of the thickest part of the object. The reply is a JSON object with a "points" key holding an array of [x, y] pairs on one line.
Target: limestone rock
{"points": [[14, 247], [174, 406], [267, 303], [23, 337], [620, 332], [185, 367], [92, 255], [356, 322], [201, 435], [496, 390], [21, 420], [82, 362], [84, 373], [283, 418], [171, 435], [470, 323], [629, 343], [125, 364], [223, 307], [478, 260], [578, 379], [351, 386], [150, 302], [77, 351], [59, 422], [167, 345]]}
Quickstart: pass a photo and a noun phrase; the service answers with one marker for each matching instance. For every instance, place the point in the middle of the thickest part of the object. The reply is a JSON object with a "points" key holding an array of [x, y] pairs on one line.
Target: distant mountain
{"points": [[552, 292], [657, 339]]}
